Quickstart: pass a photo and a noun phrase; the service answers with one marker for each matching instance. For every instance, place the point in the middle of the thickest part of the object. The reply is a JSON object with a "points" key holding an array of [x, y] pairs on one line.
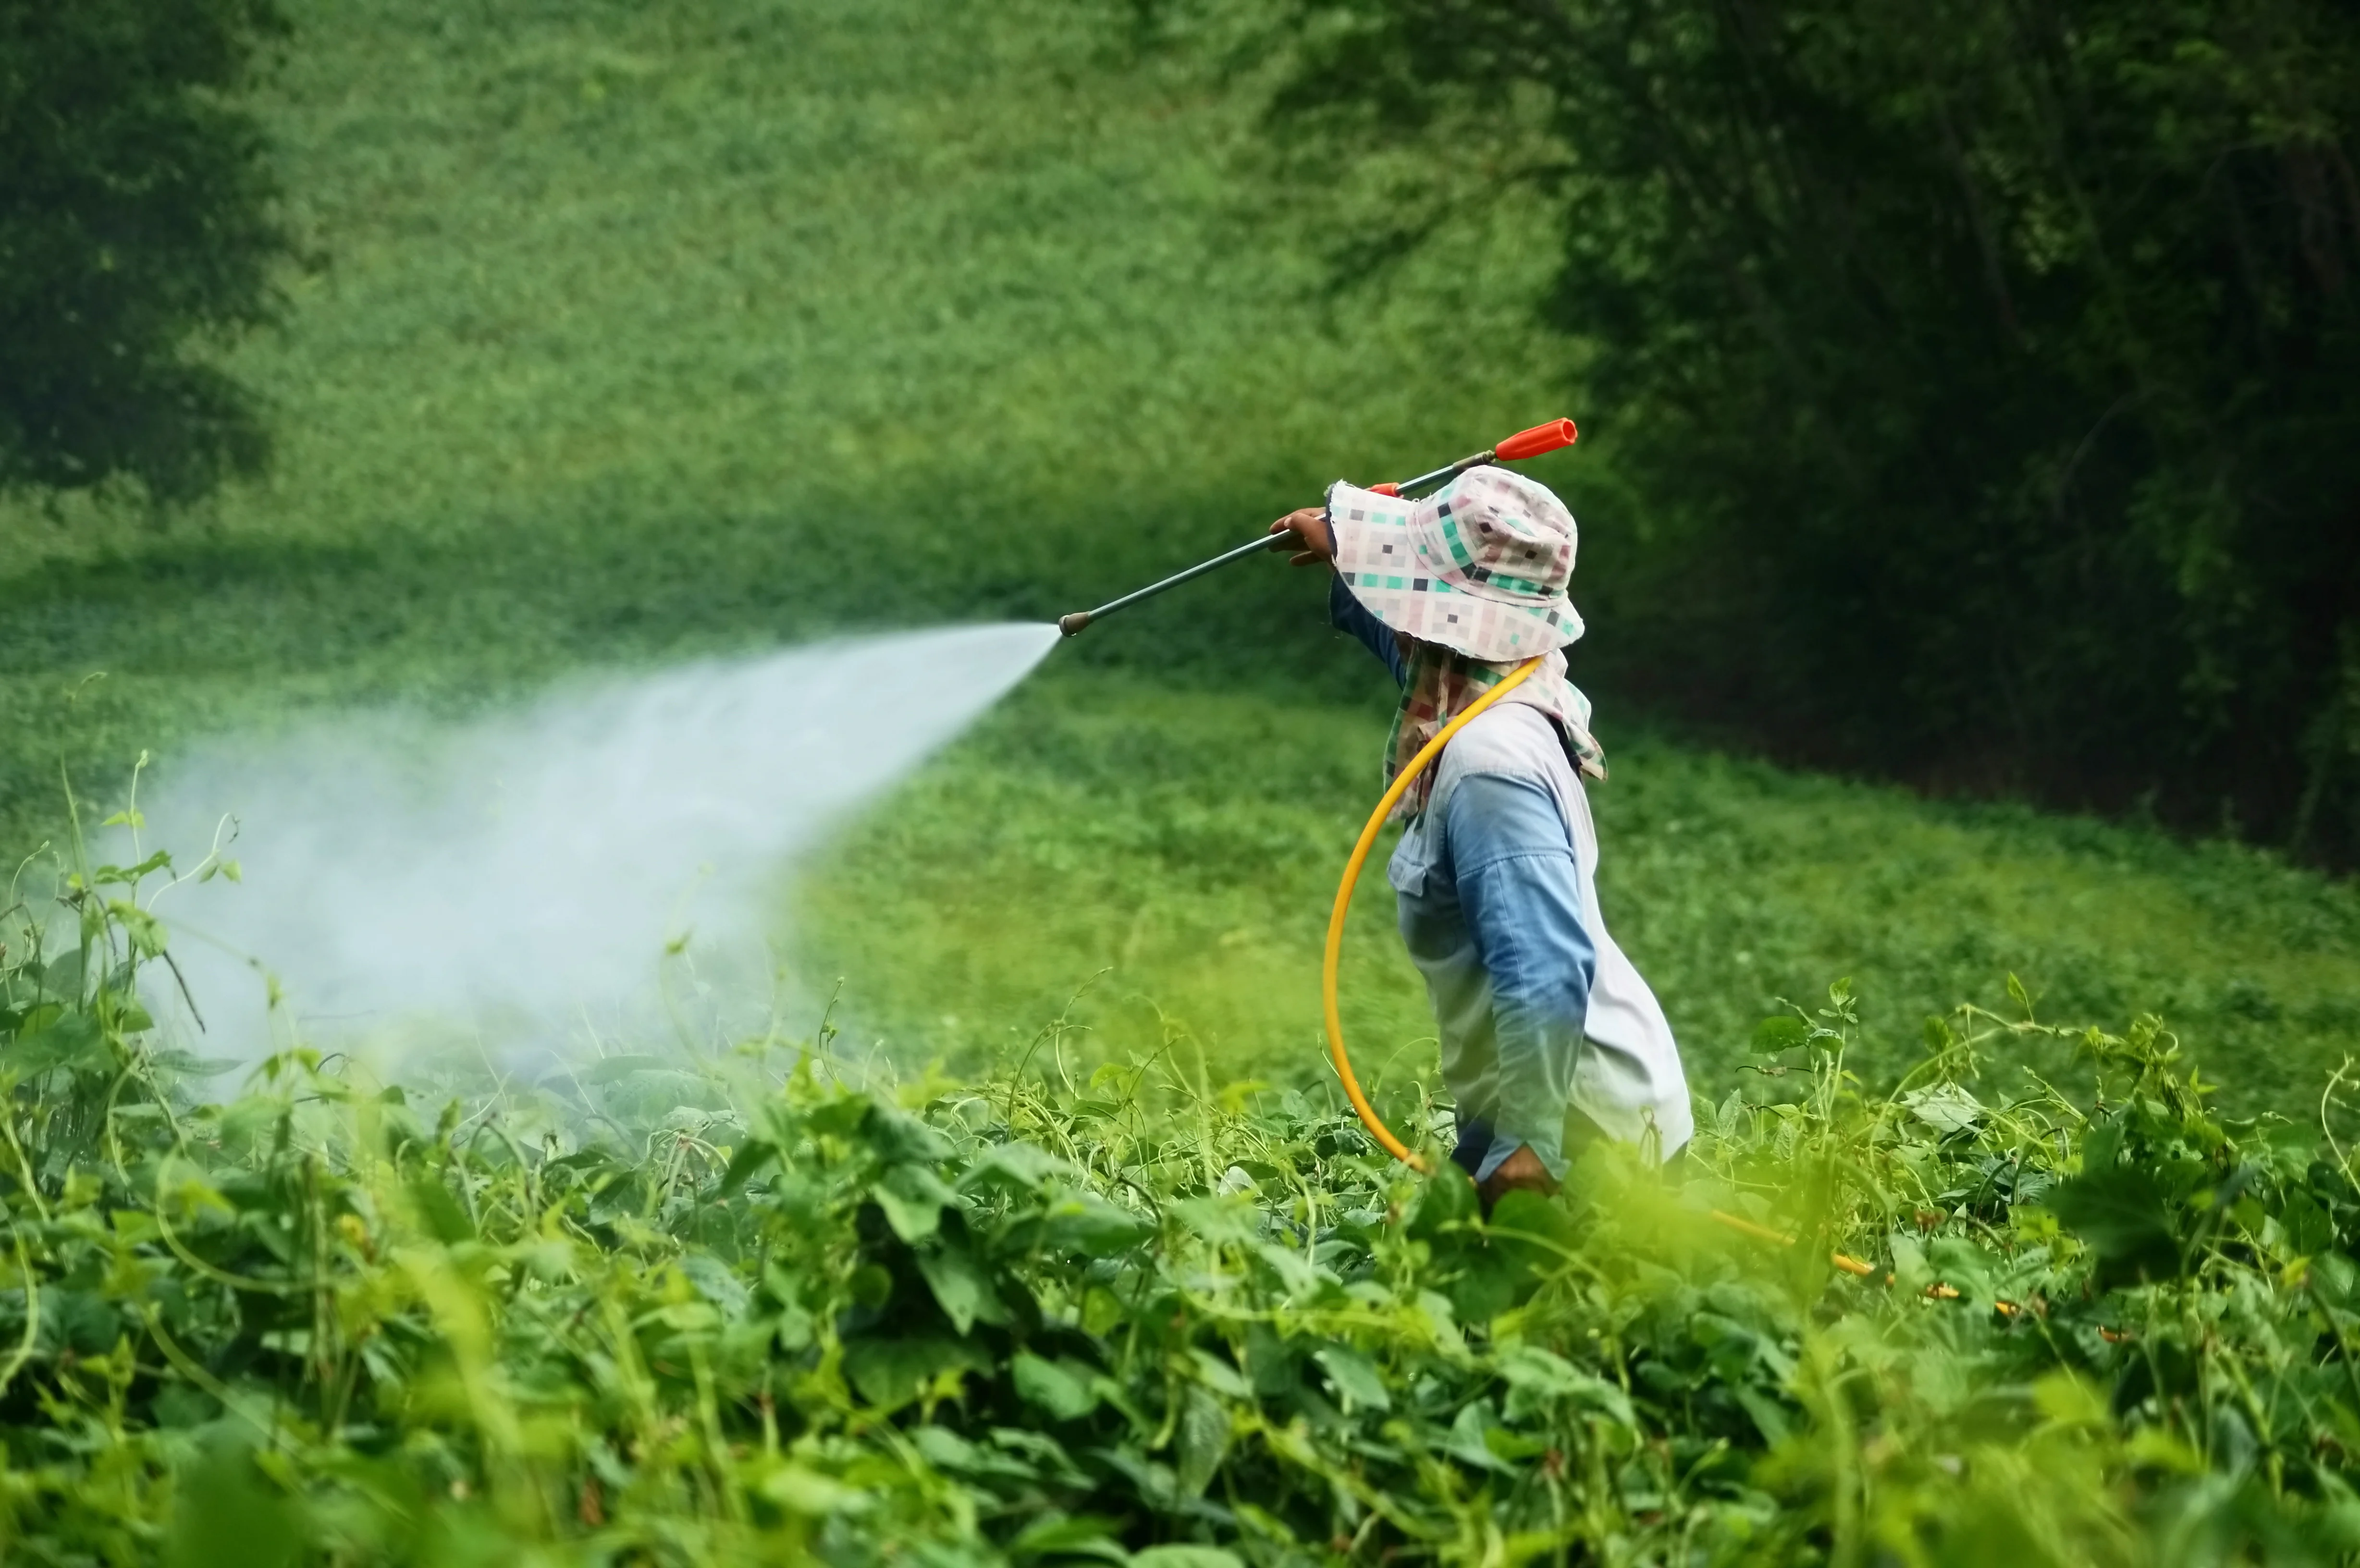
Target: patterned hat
{"points": [[1480, 566]]}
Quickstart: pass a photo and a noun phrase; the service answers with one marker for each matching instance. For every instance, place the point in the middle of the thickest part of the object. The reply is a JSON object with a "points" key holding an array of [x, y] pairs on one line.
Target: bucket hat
{"points": [[1480, 566]]}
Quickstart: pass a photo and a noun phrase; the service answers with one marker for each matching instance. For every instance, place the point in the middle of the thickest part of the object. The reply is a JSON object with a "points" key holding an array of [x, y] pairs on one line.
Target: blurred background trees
{"points": [[136, 235], [1988, 374]]}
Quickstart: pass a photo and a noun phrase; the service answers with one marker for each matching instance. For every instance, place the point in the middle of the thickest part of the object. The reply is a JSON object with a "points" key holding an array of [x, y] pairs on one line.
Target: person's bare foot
{"points": [[1520, 1173]]}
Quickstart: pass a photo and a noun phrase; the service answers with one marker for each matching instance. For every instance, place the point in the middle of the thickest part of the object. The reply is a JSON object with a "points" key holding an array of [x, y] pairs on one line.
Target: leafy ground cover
{"points": [[628, 316], [745, 1302], [1172, 855]]}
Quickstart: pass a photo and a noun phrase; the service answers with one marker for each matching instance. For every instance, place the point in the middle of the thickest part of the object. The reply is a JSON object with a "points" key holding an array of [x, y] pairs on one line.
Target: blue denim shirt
{"points": [[1347, 614], [1538, 1012]]}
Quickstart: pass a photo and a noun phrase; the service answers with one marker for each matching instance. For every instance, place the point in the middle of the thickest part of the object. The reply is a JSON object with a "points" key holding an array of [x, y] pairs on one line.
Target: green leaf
{"points": [[1184, 1556], [1058, 1535], [75, 1042], [223, 1511], [1468, 1442], [439, 1210], [1016, 1168], [142, 929], [1090, 1225], [187, 1065], [913, 1198], [1945, 1108], [718, 1283], [1216, 1373], [900, 1137], [1532, 1234], [2121, 1214], [63, 976], [745, 1164], [1353, 1377], [1782, 1033], [962, 1288], [1203, 1438], [894, 1370], [804, 1491], [1063, 1388], [1769, 1417], [1446, 1202], [1538, 1378], [2309, 1228], [946, 1450], [1221, 1221]]}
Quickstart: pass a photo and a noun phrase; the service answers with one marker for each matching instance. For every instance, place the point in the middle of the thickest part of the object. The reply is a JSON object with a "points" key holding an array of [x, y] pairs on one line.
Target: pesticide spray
{"points": [[524, 878], [530, 878]]}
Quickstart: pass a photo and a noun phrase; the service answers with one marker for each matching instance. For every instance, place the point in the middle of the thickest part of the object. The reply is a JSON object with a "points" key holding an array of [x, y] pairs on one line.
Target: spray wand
{"points": [[1522, 444]]}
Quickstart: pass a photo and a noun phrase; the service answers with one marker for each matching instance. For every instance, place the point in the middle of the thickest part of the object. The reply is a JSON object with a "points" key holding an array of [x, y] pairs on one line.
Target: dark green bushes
{"points": [[138, 231], [1985, 373]]}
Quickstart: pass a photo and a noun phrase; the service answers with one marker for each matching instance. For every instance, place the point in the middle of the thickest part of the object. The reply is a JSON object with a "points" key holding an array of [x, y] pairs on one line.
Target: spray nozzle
{"points": [[1536, 441], [1532, 442]]}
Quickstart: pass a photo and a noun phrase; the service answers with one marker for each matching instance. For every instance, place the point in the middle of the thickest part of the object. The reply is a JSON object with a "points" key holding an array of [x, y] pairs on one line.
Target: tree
{"points": [[138, 233], [1997, 363]]}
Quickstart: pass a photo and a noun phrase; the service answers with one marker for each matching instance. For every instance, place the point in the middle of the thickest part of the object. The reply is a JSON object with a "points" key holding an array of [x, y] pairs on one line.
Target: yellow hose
{"points": [[1334, 959]]}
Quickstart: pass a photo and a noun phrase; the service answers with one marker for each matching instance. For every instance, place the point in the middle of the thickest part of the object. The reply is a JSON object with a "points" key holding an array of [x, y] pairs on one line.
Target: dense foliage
{"points": [[717, 1307], [137, 231], [1990, 373]]}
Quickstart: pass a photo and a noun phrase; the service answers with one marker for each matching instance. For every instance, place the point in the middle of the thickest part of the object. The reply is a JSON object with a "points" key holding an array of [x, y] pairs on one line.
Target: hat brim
{"points": [[1389, 557]]}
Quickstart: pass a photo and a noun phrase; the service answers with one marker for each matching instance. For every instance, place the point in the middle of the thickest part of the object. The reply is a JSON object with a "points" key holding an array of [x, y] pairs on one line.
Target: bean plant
{"points": [[753, 1303]]}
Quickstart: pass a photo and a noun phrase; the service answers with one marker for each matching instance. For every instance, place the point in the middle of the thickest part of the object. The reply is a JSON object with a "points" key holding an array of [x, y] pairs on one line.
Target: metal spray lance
{"points": [[1522, 444]]}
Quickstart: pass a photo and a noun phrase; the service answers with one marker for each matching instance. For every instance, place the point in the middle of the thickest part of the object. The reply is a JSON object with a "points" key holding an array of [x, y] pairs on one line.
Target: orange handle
{"points": [[1387, 489], [1536, 441]]}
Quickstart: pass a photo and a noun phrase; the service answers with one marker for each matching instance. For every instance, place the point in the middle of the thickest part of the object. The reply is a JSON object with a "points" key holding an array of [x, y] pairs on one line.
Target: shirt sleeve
{"points": [[1347, 614], [1518, 884]]}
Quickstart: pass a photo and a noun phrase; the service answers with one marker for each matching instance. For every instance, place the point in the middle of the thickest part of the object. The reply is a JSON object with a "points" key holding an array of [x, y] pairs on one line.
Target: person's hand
{"points": [[1520, 1173], [1309, 525]]}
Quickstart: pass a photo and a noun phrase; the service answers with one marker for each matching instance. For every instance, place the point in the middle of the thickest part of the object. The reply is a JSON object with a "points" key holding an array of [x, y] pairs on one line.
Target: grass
{"points": [[643, 330], [1179, 850]]}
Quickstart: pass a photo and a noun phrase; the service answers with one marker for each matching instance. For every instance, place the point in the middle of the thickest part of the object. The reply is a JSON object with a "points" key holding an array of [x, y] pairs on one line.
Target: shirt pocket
{"points": [[1413, 859]]}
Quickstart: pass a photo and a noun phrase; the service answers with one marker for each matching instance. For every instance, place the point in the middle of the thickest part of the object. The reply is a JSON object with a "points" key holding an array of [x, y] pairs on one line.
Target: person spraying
{"points": [[1458, 581], [1549, 1035]]}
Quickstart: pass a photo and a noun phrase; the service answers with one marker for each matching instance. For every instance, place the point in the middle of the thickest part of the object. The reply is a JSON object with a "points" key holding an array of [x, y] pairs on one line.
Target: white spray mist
{"points": [[520, 876]]}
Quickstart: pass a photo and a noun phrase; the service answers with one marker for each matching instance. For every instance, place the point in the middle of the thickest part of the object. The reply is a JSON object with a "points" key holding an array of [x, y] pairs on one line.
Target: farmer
{"points": [[1548, 1033]]}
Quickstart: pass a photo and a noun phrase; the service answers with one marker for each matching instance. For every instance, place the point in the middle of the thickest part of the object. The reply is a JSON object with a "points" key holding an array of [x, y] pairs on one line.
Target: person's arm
{"points": [[1348, 615], [1345, 613], [1520, 889]]}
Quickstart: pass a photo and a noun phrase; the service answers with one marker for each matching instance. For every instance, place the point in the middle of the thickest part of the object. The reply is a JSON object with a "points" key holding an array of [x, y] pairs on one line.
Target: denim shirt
{"points": [[1539, 1012]]}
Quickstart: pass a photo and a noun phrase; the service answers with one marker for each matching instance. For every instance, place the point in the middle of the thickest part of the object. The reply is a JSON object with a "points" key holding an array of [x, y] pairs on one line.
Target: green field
{"points": [[976, 904], [640, 329], [643, 330]]}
